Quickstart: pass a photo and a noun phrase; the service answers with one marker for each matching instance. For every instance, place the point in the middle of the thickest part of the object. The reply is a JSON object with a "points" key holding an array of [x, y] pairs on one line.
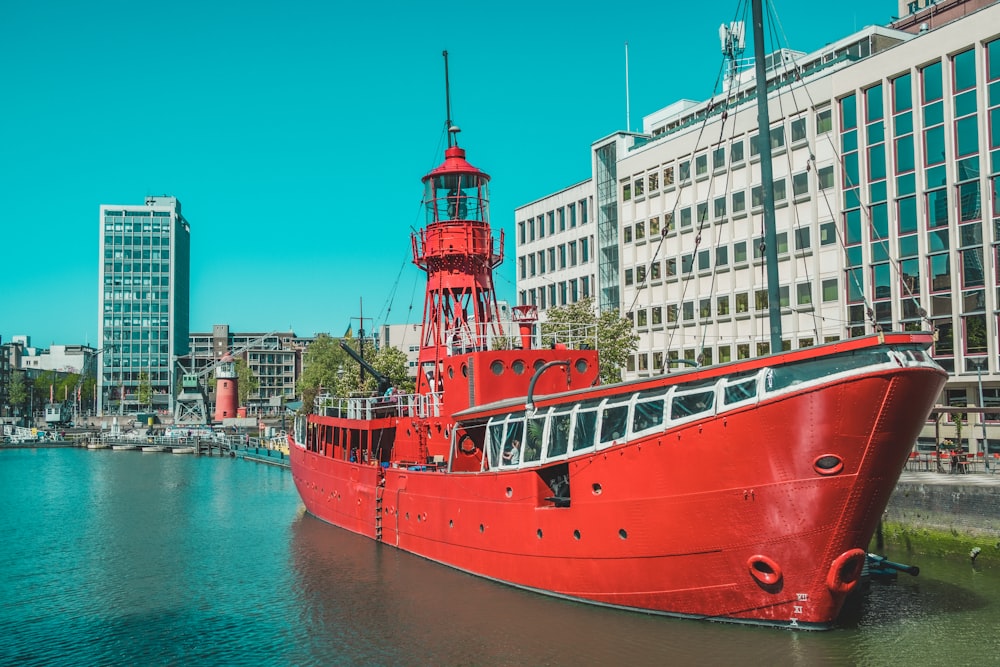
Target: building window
{"points": [[720, 208], [798, 128], [722, 306], [739, 202], [804, 294], [800, 185], [740, 252], [736, 152], [722, 256], [802, 238], [719, 158], [742, 303], [653, 181], [829, 290], [824, 121], [701, 165]]}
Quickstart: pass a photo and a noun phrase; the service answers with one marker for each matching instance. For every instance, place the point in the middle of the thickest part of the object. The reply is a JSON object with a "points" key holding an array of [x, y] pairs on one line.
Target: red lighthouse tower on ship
{"points": [[458, 252]]}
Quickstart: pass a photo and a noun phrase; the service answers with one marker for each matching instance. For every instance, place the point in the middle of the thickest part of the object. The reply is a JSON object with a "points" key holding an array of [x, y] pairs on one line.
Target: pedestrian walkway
{"points": [[949, 479]]}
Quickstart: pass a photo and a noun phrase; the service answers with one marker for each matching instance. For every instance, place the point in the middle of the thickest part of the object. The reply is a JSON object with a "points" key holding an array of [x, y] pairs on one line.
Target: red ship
{"points": [[744, 492]]}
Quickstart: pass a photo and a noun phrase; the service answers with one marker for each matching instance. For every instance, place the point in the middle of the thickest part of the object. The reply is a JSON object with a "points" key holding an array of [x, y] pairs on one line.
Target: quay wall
{"points": [[968, 504]]}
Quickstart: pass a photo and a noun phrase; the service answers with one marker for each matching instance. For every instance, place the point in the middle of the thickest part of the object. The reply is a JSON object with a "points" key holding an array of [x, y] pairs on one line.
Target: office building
{"points": [[143, 307], [886, 166]]}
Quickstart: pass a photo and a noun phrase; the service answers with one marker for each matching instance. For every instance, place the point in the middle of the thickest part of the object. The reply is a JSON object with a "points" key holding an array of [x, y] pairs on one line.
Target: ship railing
{"points": [[368, 407]]}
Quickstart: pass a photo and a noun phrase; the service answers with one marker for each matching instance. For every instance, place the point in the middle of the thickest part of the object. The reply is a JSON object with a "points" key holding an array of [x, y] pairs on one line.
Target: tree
{"points": [[392, 363], [145, 391], [321, 366], [17, 391], [328, 369], [577, 325], [247, 382]]}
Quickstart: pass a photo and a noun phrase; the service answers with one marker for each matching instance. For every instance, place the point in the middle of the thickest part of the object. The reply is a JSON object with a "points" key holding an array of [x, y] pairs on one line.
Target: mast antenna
{"points": [[766, 179], [628, 110], [452, 129]]}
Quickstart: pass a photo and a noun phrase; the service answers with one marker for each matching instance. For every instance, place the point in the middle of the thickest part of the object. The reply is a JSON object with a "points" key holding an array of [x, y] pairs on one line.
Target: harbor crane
{"points": [[190, 405]]}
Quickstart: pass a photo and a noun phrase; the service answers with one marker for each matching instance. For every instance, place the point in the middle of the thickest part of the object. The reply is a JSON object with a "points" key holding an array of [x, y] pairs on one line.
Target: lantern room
{"points": [[456, 190]]}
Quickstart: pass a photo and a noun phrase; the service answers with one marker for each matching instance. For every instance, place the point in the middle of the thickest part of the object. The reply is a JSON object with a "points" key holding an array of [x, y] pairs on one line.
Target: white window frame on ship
{"points": [[753, 385]]}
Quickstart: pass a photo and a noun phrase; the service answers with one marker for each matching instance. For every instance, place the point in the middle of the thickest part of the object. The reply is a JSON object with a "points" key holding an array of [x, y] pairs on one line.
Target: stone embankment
{"points": [[945, 514]]}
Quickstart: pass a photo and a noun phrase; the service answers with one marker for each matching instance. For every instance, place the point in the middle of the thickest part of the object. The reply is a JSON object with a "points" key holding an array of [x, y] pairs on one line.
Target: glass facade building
{"points": [[143, 304]]}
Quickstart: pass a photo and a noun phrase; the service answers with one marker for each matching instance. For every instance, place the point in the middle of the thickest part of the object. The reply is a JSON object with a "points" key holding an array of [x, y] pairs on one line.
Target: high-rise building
{"points": [[143, 303], [886, 166]]}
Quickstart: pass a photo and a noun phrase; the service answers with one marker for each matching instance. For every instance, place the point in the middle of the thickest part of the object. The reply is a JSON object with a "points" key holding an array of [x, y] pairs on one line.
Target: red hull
{"points": [[752, 514]]}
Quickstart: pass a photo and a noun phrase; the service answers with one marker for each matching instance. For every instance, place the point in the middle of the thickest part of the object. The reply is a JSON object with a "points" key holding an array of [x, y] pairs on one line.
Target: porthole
{"points": [[828, 464], [451, 523], [510, 492], [538, 364], [597, 489], [622, 533], [582, 366], [451, 372], [482, 528], [517, 367], [576, 534], [465, 371], [539, 533], [407, 516], [497, 367]]}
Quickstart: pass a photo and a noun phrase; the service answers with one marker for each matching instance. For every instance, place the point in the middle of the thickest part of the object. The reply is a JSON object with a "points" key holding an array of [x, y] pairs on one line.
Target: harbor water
{"points": [[128, 558]]}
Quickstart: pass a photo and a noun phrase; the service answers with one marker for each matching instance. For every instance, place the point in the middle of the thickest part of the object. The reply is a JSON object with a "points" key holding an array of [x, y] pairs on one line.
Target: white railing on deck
{"points": [[379, 407]]}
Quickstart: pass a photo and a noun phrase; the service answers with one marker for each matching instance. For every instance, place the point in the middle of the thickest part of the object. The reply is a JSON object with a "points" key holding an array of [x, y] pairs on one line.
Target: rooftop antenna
{"points": [[733, 39], [452, 129], [628, 111]]}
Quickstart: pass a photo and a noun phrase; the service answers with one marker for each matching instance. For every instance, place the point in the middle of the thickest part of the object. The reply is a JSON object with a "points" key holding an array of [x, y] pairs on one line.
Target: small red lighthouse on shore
{"points": [[226, 394]]}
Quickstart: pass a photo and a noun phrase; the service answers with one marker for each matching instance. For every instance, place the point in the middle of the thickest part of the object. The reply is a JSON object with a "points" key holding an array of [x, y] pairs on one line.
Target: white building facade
{"points": [[886, 166], [556, 252]]}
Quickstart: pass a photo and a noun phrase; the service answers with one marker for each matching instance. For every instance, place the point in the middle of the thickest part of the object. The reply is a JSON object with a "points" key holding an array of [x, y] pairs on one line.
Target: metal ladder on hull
{"points": [[379, 492]]}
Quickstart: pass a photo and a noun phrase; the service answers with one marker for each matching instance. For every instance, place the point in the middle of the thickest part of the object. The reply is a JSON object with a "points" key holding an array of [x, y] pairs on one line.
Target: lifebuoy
{"points": [[845, 571], [466, 444]]}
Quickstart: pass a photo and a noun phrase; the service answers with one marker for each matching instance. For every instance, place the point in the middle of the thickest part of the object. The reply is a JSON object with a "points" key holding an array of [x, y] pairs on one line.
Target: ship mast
{"points": [[766, 179], [459, 253]]}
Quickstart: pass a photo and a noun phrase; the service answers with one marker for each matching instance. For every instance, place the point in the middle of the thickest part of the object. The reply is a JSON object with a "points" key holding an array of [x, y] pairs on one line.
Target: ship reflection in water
{"points": [[369, 603]]}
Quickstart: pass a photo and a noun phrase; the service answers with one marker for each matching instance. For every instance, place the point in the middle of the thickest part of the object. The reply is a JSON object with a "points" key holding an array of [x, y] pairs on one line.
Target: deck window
{"points": [[614, 419], [584, 429], [740, 391], [688, 405], [648, 415], [558, 436], [533, 438]]}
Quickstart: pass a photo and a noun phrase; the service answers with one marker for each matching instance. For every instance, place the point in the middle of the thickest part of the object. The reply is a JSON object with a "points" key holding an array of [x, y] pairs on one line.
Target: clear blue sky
{"points": [[295, 135]]}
